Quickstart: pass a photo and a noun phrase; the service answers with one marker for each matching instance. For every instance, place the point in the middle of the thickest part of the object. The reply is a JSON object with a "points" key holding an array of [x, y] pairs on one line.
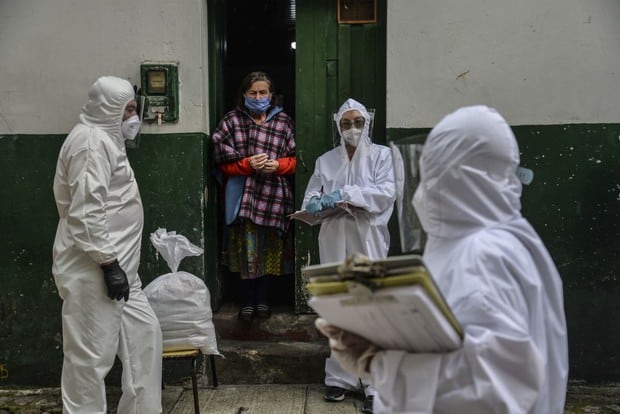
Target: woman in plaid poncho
{"points": [[254, 147]]}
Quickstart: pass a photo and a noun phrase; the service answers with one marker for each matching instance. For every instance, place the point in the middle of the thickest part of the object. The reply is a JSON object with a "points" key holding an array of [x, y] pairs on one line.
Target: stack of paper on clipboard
{"points": [[341, 208], [392, 302]]}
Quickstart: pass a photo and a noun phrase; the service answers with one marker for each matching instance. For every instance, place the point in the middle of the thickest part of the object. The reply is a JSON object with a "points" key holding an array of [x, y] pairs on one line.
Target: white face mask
{"points": [[352, 136], [130, 127]]}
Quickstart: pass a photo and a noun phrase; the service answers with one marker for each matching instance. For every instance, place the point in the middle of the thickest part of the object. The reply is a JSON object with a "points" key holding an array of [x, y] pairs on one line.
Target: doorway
{"points": [[331, 62], [260, 35], [248, 36]]}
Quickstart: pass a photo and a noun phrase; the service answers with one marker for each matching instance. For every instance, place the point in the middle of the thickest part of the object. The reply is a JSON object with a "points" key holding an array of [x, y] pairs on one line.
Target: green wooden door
{"points": [[334, 62]]}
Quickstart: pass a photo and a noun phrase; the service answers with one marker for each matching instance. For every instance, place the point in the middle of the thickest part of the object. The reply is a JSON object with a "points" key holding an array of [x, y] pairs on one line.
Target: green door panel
{"points": [[334, 62]]}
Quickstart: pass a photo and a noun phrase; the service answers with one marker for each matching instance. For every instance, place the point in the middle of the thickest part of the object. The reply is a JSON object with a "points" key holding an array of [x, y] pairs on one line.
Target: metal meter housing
{"points": [[159, 84]]}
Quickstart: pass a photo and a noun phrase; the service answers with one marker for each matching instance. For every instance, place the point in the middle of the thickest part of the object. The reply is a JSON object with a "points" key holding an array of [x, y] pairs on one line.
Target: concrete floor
{"points": [[308, 399], [274, 399], [262, 399], [225, 399]]}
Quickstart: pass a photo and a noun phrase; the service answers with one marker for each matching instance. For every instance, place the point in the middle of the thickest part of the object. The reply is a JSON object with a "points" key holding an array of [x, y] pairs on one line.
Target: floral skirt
{"points": [[255, 251]]}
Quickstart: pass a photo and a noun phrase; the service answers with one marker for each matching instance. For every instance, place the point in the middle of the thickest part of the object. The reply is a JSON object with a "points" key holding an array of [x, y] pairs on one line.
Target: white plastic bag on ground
{"points": [[181, 300]]}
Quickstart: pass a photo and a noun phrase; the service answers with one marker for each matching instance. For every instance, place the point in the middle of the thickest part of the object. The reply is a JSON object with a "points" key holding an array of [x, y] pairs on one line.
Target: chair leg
{"points": [[195, 387], [163, 386], [213, 372]]}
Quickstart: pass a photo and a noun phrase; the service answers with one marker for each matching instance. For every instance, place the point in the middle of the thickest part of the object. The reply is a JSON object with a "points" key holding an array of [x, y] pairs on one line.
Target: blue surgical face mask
{"points": [[258, 106]]}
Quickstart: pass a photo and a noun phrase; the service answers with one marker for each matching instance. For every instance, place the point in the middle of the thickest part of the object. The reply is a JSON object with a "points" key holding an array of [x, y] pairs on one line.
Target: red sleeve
{"points": [[287, 165], [240, 167]]}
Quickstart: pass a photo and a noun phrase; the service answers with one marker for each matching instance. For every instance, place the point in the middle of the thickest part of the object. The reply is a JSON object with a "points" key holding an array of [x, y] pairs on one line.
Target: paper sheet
{"points": [[399, 318], [340, 209], [393, 302]]}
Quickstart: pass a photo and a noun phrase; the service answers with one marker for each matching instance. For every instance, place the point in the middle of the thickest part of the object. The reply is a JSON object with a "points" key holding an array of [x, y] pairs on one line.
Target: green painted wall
{"points": [[574, 204], [170, 172]]}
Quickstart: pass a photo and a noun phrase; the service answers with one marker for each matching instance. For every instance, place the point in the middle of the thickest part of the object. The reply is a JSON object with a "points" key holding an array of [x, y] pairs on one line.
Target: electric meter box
{"points": [[159, 83]]}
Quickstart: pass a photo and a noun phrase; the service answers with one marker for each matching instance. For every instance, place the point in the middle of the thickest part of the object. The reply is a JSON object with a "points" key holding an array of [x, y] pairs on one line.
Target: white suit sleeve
{"points": [[89, 179], [379, 194], [497, 370], [314, 185]]}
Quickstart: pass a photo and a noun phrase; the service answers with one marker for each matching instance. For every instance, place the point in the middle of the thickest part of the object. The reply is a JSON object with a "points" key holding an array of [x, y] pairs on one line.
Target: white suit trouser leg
{"points": [[95, 328], [335, 376], [140, 352]]}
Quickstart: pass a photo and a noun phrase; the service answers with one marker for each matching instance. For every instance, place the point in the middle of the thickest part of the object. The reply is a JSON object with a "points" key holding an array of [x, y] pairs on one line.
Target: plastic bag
{"points": [[406, 156], [181, 300]]}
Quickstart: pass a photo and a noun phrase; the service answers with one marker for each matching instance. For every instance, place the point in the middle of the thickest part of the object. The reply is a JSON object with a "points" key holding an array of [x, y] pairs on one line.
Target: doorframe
{"points": [[216, 37], [319, 90]]}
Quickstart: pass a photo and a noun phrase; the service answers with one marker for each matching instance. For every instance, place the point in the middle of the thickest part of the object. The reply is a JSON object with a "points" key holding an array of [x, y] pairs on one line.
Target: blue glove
{"points": [[314, 205], [330, 200]]}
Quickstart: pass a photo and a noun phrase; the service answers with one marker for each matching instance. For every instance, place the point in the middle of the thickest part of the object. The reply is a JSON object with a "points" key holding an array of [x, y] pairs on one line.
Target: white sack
{"points": [[181, 300], [182, 304]]}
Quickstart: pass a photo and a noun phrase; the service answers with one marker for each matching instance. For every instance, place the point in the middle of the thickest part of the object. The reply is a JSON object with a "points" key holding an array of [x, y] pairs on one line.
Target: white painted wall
{"points": [[52, 51], [536, 61]]}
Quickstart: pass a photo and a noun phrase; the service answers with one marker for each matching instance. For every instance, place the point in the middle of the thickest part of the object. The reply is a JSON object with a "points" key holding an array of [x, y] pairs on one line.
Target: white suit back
{"points": [[495, 273]]}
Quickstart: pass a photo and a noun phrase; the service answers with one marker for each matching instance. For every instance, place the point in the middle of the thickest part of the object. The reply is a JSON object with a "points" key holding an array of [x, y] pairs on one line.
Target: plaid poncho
{"points": [[267, 198]]}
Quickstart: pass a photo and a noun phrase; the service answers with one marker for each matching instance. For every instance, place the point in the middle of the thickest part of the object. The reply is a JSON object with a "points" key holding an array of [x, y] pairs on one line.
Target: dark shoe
{"points": [[263, 311], [246, 313], [334, 394], [367, 407]]}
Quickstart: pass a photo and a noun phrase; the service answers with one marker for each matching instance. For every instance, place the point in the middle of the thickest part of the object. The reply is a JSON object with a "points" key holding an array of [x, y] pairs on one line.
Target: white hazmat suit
{"points": [[366, 181], [495, 273], [101, 219]]}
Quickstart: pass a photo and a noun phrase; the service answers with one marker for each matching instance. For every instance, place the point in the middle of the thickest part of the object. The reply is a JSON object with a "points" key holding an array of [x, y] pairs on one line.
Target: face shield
{"points": [[134, 143], [336, 133]]}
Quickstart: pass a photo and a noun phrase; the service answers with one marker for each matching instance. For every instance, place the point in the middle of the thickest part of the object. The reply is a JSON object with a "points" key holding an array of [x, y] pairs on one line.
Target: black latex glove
{"points": [[116, 281]]}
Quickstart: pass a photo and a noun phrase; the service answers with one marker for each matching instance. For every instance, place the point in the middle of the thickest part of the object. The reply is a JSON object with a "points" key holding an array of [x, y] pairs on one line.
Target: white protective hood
{"points": [[494, 272], [107, 99], [353, 105], [469, 176]]}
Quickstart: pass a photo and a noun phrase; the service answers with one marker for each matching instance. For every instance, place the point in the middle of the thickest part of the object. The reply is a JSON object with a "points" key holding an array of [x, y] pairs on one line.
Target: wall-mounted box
{"points": [[160, 87]]}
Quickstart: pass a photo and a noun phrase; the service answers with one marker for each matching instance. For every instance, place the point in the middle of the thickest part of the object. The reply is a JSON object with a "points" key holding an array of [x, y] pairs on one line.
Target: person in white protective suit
{"points": [[495, 273], [361, 173], [96, 256]]}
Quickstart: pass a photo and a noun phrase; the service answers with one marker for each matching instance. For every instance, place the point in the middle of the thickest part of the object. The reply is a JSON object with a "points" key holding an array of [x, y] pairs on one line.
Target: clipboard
{"points": [[393, 302], [342, 208]]}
